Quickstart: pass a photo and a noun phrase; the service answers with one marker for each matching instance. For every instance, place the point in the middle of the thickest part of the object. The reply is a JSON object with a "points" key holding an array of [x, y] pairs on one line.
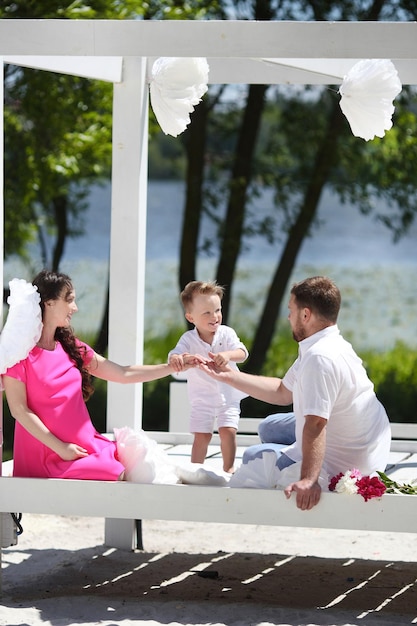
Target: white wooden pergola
{"points": [[122, 52]]}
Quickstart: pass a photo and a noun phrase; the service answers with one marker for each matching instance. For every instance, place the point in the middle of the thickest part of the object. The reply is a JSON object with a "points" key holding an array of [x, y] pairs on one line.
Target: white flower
{"points": [[347, 484]]}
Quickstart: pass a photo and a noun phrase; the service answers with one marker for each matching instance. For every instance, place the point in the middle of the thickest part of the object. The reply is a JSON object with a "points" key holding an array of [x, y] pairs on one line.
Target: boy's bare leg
{"points": [[200, 445], [228, 447]]}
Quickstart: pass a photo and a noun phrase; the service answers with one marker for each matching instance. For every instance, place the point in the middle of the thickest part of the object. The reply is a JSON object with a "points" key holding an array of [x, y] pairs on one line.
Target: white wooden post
{"points": [[127, 256], [1, 222], [1, 263]]}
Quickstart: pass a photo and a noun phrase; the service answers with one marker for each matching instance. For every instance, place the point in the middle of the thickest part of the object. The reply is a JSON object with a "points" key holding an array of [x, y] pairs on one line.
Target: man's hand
{"points": [[307, 489], [307, 492], [219, 372]]}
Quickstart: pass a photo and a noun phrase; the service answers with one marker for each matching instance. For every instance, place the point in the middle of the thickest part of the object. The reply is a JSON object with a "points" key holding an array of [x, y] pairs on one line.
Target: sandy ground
{"points": [[60, 573]]}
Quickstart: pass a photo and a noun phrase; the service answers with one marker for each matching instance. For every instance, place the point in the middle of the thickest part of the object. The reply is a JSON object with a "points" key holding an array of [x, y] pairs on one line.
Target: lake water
{"points": [[377, 277]]}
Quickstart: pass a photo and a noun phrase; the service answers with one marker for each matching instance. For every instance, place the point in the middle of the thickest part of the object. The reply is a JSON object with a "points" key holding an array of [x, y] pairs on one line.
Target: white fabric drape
{"points": [[368, 91], [23, 326], [177, 85]]}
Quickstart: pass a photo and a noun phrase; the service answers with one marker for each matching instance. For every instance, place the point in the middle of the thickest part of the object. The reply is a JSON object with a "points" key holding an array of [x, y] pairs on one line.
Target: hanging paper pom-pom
{"points": [[23, 326], [367, 91], [177, 85]]}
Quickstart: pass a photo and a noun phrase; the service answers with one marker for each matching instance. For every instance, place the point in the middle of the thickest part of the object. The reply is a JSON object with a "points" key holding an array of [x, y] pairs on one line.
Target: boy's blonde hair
{"points": [[198, 287]]}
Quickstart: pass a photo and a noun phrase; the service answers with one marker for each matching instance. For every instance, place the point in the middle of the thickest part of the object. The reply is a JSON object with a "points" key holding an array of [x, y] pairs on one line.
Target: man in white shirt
{"points": [[339, 422]]}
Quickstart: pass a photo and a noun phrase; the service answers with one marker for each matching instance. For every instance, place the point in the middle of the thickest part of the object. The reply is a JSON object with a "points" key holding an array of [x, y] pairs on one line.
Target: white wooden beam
{"points": [[224, 39], [128, 238], [1, 208], [100, 68], [127, 257], [222, 71], [293, 71], [1, 266], [328, 71], [196, 503]]}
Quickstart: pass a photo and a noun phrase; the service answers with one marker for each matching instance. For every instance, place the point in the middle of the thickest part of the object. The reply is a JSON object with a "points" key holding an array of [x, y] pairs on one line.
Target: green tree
{"points": [[328, 156], [52, 159], [309, 147], [57, 137]]}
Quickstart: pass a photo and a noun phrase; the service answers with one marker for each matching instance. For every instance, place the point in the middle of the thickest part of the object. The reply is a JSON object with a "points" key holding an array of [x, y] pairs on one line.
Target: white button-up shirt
{"points": [[329, 380], [201, 388]]}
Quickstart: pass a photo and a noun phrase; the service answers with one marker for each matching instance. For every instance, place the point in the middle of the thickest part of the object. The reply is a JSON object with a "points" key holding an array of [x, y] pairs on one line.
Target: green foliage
{"points": [[8, 430], [75, 10], [97, 405], [394, 375], [156, 393], [392, 486], [281, 355], [57, 136], [384, 168], [51, 160], [190, 10], [156, 404], [58, 129], [166, 157], [156, 350]]}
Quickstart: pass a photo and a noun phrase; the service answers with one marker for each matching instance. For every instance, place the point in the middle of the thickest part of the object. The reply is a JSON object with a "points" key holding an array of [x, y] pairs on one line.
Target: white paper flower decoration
{"points": [[367, 91], [177, 85], [23, 326]]}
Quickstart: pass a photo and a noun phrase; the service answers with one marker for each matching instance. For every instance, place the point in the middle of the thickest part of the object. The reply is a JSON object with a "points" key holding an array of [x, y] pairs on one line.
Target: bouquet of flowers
{"points": [[352, 482]]}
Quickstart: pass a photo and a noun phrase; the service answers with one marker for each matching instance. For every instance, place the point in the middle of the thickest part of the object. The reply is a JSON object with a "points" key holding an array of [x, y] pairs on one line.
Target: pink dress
{"points": [[53, 387]]}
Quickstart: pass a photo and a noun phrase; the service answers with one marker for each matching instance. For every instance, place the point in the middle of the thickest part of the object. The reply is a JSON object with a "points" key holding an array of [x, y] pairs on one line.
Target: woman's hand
{"points": [[177, 361], [182, 362], [71, 451]]}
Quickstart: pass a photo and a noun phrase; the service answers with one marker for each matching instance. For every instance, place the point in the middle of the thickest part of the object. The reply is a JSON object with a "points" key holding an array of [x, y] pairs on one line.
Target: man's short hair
{"points": [[320, 295]]}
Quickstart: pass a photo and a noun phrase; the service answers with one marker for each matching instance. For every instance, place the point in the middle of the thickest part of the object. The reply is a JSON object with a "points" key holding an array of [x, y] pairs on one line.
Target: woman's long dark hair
{"points": [[52, 286]]}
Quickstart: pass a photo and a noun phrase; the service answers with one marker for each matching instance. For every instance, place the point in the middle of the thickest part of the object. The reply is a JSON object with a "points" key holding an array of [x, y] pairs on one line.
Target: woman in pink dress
{"points": [[46, 392]]}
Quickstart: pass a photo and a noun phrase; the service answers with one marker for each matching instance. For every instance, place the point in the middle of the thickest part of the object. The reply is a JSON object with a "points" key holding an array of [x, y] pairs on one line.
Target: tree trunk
{"points": [[102, 339], [263, 10], [60, 206], [240, 180], [325, 159], [195, 144]]}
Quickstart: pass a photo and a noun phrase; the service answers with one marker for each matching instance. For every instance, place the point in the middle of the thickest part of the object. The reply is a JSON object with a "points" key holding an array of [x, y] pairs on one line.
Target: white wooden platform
{"points": [[396, 513], [121, 500], [127, 501]]}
